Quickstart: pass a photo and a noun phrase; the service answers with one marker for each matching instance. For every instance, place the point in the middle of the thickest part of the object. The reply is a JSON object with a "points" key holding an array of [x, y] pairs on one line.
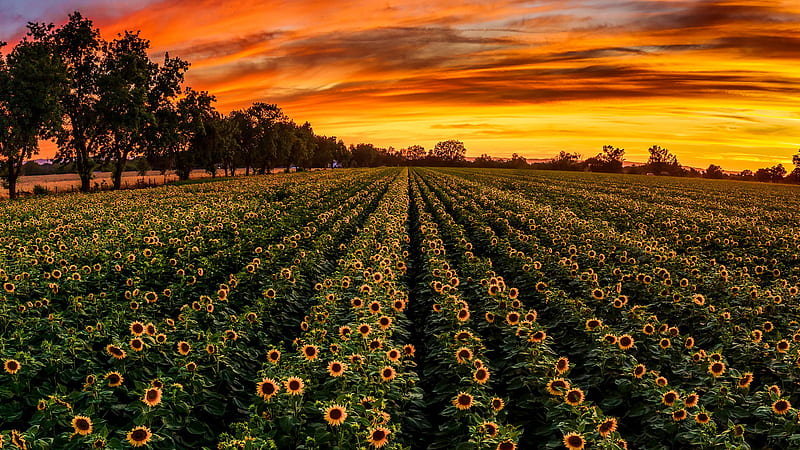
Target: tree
{"points": [[771, 174], [450, 150], [662, 162], [79, 46], [32, 80], [413, 152], [609, 160], [163, 135], [124, 87], [195, 112], [714, 172], [566, 161]]}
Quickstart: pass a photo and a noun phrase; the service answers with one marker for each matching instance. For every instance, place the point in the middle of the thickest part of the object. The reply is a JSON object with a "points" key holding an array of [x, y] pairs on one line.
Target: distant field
{"points": [[404, 308], [70, 181]]}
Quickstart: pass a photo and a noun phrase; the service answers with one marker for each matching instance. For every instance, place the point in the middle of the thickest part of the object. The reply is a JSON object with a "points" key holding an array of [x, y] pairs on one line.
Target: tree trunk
{"points": [[116, 174]]}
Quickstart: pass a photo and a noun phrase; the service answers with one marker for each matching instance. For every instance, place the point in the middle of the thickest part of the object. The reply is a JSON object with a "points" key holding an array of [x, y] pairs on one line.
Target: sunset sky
{"points": [[714, 81]]}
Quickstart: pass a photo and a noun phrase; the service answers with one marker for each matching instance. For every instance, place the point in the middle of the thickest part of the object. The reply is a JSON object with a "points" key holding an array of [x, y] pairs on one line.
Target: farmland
{"points": [[404, 308]]}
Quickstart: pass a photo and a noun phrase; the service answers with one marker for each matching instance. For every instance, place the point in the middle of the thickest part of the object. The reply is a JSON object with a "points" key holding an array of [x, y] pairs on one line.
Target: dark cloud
{"points": [[768, 46]]}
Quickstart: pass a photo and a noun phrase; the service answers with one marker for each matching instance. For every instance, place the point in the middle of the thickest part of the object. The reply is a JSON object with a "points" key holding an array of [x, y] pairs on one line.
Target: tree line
{"points": [[107, 105], [660, 162]]}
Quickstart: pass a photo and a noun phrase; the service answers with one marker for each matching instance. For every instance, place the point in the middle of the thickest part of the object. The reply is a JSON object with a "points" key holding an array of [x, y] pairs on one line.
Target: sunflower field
{"points": [[404, 308]]}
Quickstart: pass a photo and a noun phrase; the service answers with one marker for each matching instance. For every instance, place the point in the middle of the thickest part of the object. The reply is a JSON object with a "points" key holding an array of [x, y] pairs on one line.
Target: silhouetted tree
{"points": [[566, 161], [610, 160], [772, 174], [450, 150], [32, 80], [196, 112], [662, 162], [84, 132], [714, 172]]}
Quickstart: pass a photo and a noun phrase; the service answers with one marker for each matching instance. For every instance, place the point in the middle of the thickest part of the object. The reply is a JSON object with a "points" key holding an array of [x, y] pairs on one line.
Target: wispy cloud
{"points": [[703, 77]]}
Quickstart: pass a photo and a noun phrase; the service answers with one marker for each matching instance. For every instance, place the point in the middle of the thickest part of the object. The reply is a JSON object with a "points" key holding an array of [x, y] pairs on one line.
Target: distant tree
{"points": [[302, 152], [484, 160], [326, 148], [123, 88], [565, 161], [163, 135], [450, 150], [662, 162], [794, 176], [195, 113], [341, 154], [714, 172], [746, 175], [413, 152], [772, 174], [79, 45], [32, 79], [609, 160], [517, 162]]}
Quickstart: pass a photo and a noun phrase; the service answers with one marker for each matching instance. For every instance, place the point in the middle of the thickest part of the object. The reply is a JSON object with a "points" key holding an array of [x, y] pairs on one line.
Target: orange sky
{"points": [[712, 80]]}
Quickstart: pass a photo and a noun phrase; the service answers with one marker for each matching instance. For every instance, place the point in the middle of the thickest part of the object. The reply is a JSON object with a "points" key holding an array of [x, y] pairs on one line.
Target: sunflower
{"points": [[374, 307], [562, 365], [115, 351], [336, 368], [139, 436], [184, 348], [782, 346], [538, 336], [463, 401], [608, 426], [191, 366], [267, 387], [702, 417], [335, 415], [610, 339], [665, 343], [506, 445], [689, 343], [738, 430], [12, 366], [591, 324], [211, 349], [18, 440], [661, 381], [137, 328], [378, 437], [648, 329], [489, 317], [691, 400], [774, 390], [310, 352], [114, 379], [384, 322], [512, 318], [556, 386], [409, 350], [625, 342], [669, 398], [294, 386], [639, 371], [273, 356], [82, 425], [388, 373], [463, 355], [364, 329], [598, 294], [745, 380], [541, 286], [462, 335], [716, 368], [137, 344], [781, 406], [574, 397], [679, 415], [481, 376], [498, 404], [489, 428], [574, 441], [152, 396], [463, 314]]}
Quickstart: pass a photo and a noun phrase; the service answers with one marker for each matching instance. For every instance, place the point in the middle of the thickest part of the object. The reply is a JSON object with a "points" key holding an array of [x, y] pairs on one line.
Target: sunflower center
{"points": [[139, 435], [336, 414]]}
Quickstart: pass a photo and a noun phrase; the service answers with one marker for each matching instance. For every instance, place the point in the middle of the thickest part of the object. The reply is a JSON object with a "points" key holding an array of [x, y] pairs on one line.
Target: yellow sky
{"points": [[715, 81]]}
